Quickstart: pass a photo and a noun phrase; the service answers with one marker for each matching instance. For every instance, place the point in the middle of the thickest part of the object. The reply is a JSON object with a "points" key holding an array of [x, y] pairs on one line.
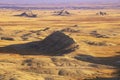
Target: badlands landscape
{"points": [[60, 44]]}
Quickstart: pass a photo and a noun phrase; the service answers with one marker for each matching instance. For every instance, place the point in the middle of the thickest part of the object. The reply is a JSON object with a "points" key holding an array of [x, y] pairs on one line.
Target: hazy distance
{"points": [[55, 1]]}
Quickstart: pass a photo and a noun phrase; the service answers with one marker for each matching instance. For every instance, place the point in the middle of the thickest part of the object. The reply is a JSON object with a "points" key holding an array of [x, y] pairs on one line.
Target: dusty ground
{"points": [[98, 38]]}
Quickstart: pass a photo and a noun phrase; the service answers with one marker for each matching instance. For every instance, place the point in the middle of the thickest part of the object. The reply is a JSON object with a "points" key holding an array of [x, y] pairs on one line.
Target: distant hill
{"points": [[56, 1], [60, 4]]}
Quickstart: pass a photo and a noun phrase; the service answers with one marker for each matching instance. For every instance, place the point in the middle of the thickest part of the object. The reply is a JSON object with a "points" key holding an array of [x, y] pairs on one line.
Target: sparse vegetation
{"points": [[96, 56]]}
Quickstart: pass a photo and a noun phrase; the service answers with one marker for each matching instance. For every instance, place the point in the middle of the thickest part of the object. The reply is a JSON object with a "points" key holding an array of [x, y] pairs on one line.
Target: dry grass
{"points": [[87, 21]]}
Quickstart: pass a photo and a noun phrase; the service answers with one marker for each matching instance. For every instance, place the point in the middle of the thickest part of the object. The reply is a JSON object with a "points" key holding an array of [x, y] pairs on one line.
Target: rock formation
{"points": [[27, 14], [62, 13], [55, 44], [58, 43]]}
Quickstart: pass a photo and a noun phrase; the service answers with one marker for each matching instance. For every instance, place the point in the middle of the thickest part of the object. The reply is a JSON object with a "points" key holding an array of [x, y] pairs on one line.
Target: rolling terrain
{"points": [[97, 56]]}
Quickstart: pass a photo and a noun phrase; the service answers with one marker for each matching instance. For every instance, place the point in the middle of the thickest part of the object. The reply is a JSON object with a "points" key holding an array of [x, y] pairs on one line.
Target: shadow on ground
{"points": [[36, 48], [116, 78], [110, 61], [56, 43]]}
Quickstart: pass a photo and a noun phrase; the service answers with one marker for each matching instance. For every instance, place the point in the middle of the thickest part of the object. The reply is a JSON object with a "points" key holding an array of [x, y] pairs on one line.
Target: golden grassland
{"points": [[86, 20]]}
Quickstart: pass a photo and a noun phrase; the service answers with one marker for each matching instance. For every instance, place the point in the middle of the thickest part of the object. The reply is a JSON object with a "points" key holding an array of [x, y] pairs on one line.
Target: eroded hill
{"points": [[25, 43]]}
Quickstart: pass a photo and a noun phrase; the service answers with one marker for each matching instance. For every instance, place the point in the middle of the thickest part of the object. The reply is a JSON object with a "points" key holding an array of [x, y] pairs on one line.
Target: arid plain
{"points": [[98, 37]]}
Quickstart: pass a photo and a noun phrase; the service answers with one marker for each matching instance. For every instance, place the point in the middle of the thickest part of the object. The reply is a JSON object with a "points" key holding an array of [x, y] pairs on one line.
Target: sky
{"points": [[55, 1]]}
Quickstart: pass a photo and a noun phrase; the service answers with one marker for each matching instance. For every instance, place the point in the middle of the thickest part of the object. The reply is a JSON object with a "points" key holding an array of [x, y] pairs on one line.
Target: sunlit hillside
{"points": [[98, 37]]}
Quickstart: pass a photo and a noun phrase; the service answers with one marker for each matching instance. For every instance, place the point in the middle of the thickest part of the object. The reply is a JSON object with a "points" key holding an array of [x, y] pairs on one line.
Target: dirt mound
{"points": [[101, 13], [58, 42], [70, 30], [96, 43], [98, 35], [27, 14], [7, 38], [63, 13]]}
